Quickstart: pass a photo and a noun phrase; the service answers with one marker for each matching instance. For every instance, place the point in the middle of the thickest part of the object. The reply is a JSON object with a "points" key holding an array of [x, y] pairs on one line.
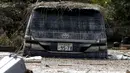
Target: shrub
{"points": [[5, 41]]}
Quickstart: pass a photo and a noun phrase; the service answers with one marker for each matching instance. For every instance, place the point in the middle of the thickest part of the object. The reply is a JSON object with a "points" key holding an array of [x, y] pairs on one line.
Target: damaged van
{"points": [[66, 29]]}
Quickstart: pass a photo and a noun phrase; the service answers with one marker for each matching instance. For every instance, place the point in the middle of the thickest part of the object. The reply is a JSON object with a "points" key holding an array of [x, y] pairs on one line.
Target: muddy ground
{"points": [[58, 65], [53, 65], [62, 65]]}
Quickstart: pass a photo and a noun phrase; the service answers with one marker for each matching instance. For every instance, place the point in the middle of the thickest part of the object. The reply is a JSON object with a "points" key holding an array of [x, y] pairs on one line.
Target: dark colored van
{"points": [[66, 29]]}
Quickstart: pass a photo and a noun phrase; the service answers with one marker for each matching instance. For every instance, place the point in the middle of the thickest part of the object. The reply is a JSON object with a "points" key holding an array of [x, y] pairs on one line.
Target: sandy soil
{"points": [[58, 65]]}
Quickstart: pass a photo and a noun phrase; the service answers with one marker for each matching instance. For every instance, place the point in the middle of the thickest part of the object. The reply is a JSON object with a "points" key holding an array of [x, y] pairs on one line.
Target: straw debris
{"points": [[68, 5]]}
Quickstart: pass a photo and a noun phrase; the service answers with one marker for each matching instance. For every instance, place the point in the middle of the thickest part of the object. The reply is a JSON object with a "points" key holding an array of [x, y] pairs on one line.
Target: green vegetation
{"points": [[12, 22]]}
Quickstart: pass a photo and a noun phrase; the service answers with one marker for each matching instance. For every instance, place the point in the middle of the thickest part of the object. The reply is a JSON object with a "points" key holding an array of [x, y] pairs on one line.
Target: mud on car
{"points": [[66, 29]]}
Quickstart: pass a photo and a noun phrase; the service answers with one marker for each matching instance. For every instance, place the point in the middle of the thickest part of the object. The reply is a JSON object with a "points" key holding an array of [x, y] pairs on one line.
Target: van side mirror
{"points": [[116, 44]]}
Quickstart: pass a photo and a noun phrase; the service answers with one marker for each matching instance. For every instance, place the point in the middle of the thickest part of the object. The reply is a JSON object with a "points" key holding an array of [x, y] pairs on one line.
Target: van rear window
{"points": [[66, 20]]}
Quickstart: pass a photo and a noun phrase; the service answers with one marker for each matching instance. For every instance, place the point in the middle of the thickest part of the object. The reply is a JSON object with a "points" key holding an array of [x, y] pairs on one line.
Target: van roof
{"points": [[68, 5]]}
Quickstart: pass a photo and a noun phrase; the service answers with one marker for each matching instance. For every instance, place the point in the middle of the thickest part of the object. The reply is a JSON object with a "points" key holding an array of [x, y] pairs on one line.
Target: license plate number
{"points": [[65, 47]]}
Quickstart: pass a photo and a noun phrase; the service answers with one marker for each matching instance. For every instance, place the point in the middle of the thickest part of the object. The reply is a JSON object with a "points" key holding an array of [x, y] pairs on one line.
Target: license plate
{"points": [[65, 47]]}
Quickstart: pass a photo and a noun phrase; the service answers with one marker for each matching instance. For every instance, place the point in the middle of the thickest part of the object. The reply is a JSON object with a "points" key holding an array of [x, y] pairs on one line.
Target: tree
{"points": [[103, 3], [121, 16]]}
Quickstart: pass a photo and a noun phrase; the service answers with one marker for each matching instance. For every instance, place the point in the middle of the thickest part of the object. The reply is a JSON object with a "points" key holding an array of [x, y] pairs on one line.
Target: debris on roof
{"points": [[68, 5]]}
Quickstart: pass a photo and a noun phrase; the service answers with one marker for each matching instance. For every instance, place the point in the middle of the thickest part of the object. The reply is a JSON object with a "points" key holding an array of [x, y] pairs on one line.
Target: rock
{"points": [[47, 65], [29, 71], [127, 71]]}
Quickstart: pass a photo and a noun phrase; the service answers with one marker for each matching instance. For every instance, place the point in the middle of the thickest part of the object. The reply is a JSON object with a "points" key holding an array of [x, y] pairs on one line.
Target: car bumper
{"points": [[101, 54]]}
